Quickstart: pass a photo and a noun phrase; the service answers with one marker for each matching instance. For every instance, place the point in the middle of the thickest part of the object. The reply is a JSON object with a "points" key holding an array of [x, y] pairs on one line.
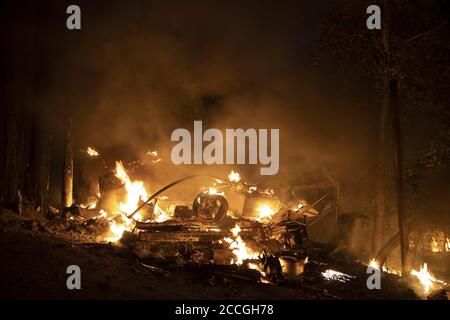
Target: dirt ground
{"points": [[33, 265]]}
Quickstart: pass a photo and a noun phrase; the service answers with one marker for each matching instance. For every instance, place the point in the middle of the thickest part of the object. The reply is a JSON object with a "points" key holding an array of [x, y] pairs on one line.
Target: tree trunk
{"points": [[67, 188], [390, 102], [380, 180], [17, 106], [398, 165], [25, 133]]}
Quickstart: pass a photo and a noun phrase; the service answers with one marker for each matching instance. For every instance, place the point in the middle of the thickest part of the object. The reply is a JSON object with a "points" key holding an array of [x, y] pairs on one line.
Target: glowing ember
{"points": [[152, 153], [92, 205], [265, 213], [234, 177], [336, 276], [447, 245], [240, 250], [92, 152]]}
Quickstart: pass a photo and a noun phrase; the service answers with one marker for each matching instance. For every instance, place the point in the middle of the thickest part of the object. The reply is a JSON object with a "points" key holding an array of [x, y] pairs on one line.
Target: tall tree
{"points": [[67, 186], [399, 65]]}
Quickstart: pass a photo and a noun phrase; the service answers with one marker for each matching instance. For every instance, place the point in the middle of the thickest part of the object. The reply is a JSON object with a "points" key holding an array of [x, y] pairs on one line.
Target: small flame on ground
{"points": [[92, 152], [426, 279], [234, 176], [374, 264], [135, 192], [239, 248]]}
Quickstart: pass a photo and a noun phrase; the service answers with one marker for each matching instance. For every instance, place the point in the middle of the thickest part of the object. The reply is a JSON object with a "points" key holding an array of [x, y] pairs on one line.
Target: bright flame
{"points": [[234, 177], [336, 275], [135, 191], [92, 205], [152, 153], [374, 264], [426, 279], [265, 213], [239, 248], [213, 191], [160, 215], [447, 245], [92, 152], [117, 229], [299, 206]]}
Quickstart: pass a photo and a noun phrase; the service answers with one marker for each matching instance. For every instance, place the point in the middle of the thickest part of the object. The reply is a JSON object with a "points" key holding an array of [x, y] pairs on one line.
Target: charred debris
{"points": [[231, 231]]}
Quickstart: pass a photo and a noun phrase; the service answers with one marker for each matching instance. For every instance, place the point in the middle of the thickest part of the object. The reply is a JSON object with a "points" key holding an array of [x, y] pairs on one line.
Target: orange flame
{"points": [[239, 248], [92, 152]]}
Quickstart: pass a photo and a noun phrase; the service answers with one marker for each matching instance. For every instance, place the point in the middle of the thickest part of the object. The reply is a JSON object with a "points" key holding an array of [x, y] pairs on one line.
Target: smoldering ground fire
{"points": [[310, 193]]}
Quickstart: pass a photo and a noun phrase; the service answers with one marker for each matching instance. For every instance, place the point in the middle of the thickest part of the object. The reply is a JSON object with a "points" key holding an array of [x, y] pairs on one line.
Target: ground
{"points": [[34, 263]]}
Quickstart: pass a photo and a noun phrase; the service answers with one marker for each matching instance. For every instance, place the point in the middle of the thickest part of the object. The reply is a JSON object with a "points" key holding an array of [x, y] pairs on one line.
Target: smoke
{"points": [[139, 70]]}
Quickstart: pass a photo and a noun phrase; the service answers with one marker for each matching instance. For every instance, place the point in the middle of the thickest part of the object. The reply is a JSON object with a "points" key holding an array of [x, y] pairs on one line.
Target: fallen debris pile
{"points": [[232, 231]]}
